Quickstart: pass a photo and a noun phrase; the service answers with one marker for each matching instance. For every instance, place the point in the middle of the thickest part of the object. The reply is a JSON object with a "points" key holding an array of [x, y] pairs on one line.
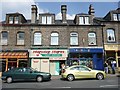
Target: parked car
{"points": [[25, 74], [82, 72]]}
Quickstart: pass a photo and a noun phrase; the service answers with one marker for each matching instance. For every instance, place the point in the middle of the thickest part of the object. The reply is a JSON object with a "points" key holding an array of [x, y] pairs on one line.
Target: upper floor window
{"points": [[110, 35], [46, 20], [37, 38], [83, 20], [10, 20], [54, 38], [73, 38], [20, 38], [116, 17], [16, 20], [4, 38], [119, 17], [91, 38]]}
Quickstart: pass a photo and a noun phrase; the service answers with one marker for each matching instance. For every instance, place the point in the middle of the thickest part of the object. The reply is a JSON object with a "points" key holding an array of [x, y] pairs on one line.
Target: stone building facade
{"points": [[44, 43]]}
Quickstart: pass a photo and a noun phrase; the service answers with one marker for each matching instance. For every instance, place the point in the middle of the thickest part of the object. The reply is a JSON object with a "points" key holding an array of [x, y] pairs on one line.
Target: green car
{"points": [[81, 72], [25, 74]]}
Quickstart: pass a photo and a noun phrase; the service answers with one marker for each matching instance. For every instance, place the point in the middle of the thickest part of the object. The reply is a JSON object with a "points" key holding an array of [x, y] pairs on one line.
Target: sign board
{"points": [[48, 53]]}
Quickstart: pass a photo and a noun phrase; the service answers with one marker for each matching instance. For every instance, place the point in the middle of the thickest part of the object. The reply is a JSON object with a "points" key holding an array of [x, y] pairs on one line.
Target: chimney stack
{"points": [[91, 10], [63, 11], [33, 14]]}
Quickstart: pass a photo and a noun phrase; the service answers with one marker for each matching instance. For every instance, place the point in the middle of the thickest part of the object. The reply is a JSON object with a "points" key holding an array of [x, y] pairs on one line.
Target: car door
{"points": [[28, 74], [85, 72], [17, 73]]}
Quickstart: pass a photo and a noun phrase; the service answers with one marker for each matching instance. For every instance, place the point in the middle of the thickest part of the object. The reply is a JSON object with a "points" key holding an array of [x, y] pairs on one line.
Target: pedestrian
{"points": [[106, 67], [62, 67], [113, 67], [90, 64]]}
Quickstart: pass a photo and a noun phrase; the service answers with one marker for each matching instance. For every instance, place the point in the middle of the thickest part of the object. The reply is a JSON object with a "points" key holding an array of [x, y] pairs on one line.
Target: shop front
{"points": [[91, 57], [48, 60], [13, 59], [113, 54]]}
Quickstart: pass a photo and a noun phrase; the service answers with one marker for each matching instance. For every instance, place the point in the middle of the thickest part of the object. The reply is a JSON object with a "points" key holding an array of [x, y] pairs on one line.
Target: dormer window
{"points": [[16, 20], [46, 20], [10, 20], [83, 20], [116, 17]]}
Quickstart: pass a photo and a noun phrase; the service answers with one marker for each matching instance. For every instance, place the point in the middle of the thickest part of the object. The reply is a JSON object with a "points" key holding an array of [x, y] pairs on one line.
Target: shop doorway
{"points": [[61, 66], [12, 63]]}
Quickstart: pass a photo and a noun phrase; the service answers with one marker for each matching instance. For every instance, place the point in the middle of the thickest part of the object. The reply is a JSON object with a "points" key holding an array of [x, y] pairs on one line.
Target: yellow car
{"points": [[80, 72]]}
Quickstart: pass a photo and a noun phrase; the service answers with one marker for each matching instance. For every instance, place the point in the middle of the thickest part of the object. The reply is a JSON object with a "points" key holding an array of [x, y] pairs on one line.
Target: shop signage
{"points": [[48, 53], [112, 47], [57, 58]]}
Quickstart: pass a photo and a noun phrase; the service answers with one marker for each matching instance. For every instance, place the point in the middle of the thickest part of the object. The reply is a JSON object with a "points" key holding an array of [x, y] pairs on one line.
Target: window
{"points": [[110, 35], [92, 38], [83, 20], [86, 20], [20, 38], [46, 20], [49, 20], [119, 17], [37, 38], [73, 38], [16, 20], [43, 19], [115, 17], [54, 38], [4, 38], [10, 20]]}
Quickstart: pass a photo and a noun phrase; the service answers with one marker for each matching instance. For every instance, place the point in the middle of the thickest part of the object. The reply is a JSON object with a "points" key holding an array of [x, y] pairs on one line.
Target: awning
{"points": [[13, 55]]}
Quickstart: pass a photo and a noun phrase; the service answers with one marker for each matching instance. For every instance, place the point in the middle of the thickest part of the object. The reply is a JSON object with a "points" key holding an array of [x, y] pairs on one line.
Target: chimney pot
{"points": [[63, 11]]}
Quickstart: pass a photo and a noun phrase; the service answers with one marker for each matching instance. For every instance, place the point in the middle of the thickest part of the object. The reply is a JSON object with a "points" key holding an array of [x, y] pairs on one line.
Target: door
{"points": [[57, 71], [52, 67], [36, 64], [84, 72], [45, 65]]}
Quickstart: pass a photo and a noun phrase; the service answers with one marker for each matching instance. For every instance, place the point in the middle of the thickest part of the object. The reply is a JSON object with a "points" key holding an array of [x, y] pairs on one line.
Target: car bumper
{"points": [[3, 77], [63, 76], [47, 77]]}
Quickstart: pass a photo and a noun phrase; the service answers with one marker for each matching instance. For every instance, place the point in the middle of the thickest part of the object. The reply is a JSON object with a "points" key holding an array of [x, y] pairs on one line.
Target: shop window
{"points": [[4, 38], [110, 35], [91, 38], [22, 63], [37, 38], [54, 38], [73, 38], [2, 66], [20, 38]]}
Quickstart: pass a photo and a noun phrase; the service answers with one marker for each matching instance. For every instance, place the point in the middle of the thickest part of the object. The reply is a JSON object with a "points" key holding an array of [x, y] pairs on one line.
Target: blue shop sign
{"points": [[86, 50]]}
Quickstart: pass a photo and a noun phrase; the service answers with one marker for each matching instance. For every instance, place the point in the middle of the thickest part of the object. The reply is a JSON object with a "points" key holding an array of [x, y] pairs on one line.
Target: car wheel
{"points": [[99, 76], [9, 79], [39, 78], [70, 77]]}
